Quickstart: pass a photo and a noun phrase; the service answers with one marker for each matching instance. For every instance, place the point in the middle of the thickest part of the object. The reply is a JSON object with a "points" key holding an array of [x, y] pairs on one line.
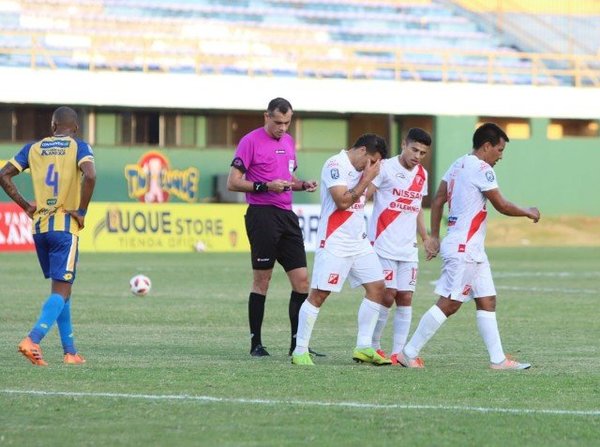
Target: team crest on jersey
{"points": [[334, 278], [152, 180], [489, 175], [335, 173]]}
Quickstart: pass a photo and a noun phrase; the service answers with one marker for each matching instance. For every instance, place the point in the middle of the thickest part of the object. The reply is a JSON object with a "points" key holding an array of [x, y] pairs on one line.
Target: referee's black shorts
{"points": [[274, 235]]}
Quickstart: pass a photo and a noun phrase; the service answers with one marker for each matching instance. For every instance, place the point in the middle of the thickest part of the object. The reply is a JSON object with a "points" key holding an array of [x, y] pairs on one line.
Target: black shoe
{"points": [[310, 351], [259, 351]]}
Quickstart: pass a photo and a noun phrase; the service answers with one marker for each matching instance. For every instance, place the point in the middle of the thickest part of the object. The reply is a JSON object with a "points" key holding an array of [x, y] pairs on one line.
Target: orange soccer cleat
{"points": [[510, 364], [32, 351], [418, 361], [409, 362], [74, 359]]}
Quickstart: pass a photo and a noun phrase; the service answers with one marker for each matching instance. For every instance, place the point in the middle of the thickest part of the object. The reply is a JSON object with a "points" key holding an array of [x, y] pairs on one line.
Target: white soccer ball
{"points": [[140, 285]]}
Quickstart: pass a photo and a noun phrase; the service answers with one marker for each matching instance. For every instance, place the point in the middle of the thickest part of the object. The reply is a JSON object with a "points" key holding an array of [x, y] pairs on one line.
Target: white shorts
{"points": [[399, 275], [462, 281], [330, 271]]}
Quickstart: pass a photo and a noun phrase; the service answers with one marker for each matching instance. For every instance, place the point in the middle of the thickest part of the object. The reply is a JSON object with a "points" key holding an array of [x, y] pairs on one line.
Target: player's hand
{"points": [[309, 186], [80, 219], [534, 214], [371, 170], [279, 185], [432, 247], [30, 211]]}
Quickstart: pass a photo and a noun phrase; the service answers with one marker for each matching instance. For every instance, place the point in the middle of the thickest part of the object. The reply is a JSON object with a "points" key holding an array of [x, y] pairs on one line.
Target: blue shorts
{"points": [[57, 253]]}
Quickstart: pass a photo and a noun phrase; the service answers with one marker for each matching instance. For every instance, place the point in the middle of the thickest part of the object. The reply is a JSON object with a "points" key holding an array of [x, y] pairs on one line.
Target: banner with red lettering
{"points": [[15, 229]]}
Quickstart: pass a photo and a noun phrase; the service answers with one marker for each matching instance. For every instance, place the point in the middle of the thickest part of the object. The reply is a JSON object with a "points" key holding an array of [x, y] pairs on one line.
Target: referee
{"points": [[263, 167]]}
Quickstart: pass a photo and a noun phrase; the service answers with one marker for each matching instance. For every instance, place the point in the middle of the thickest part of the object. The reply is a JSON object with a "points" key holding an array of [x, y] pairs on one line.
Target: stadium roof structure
{"points": [[191, 91]]}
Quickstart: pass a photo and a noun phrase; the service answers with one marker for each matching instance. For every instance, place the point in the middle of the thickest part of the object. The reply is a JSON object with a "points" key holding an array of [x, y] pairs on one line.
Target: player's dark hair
{"points": [[488, 133], [418, 135], [374, 143], [281, 104], [64, 115]]}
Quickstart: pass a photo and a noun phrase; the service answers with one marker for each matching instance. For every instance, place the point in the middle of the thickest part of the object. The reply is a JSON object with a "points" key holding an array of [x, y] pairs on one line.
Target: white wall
{"points": [[190, 91]]}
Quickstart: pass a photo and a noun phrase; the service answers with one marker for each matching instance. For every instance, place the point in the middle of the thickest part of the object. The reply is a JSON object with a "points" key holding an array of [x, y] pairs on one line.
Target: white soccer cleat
{"points": [[509, 363]]}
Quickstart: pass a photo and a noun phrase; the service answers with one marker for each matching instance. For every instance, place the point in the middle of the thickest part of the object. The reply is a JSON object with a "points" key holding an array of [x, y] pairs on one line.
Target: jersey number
{"points": [[52, 179]]}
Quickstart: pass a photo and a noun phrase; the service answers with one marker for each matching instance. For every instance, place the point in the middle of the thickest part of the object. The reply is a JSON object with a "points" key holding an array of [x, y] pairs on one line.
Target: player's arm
{"points": [[421, 229], [6, 181], [88, 183], [87, 189], [437, 209], [432, 246], [344, 198], [371, 189], [303, 185], [507, 208], [236, 181]]}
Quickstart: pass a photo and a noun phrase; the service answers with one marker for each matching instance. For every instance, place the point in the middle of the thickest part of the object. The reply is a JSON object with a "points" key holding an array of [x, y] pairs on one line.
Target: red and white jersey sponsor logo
{"points": [[467, 179], [396, 204], [15, 228], [334, 278], [341, 232]]}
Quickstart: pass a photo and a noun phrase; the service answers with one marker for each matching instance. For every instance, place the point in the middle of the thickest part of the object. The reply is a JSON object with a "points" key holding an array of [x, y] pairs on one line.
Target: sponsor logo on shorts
{"points": [[462, 248], [388, 275], [333, 278], [452, 221], [322, 244], [263, 259], [68, 276], [467, 290]]}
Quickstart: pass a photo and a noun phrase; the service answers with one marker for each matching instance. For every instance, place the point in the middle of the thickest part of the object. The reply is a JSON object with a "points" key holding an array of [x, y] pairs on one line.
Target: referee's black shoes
{"points": [[259, 351]]}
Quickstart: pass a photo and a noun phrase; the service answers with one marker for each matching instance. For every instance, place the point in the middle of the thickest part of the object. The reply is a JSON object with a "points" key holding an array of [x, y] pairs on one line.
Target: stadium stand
{"points": [[423, 40]]}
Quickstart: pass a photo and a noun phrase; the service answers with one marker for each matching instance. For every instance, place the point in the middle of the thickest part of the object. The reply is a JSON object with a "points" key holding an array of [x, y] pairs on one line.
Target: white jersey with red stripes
{"points": [[467, 179], [341, 232], [396, 204]]}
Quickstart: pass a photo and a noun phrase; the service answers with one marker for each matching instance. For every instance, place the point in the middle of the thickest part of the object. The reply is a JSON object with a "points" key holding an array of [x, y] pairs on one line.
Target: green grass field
{"points": [[173, 368]]}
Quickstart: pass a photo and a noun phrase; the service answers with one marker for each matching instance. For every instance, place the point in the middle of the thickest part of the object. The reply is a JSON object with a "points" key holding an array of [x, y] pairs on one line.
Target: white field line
{"points": [[309, 403]]}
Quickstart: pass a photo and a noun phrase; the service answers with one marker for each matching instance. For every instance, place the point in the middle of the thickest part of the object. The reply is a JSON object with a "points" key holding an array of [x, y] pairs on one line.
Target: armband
{"points": [[81, 212], [260, 187]]}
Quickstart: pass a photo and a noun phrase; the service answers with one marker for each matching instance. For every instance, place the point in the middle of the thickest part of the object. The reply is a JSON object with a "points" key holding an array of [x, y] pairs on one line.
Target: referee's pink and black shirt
{"points": [[264, 159]]}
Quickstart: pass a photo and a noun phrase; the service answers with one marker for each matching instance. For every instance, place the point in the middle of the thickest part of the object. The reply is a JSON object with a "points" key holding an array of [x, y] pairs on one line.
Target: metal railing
{"points": [[304, 60]]}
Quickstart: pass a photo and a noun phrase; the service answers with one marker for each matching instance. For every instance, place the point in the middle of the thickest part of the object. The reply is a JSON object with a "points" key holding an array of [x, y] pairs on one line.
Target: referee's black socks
{"points": [[296, 300], [256, 312]]}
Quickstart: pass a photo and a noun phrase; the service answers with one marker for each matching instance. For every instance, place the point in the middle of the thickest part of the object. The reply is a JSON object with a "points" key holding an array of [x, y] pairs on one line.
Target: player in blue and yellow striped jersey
{"points": [[63, 176]]}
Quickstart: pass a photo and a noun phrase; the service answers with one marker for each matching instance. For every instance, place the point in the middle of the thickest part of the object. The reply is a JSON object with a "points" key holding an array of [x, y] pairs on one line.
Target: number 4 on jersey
{"points": [[52, 179]]}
